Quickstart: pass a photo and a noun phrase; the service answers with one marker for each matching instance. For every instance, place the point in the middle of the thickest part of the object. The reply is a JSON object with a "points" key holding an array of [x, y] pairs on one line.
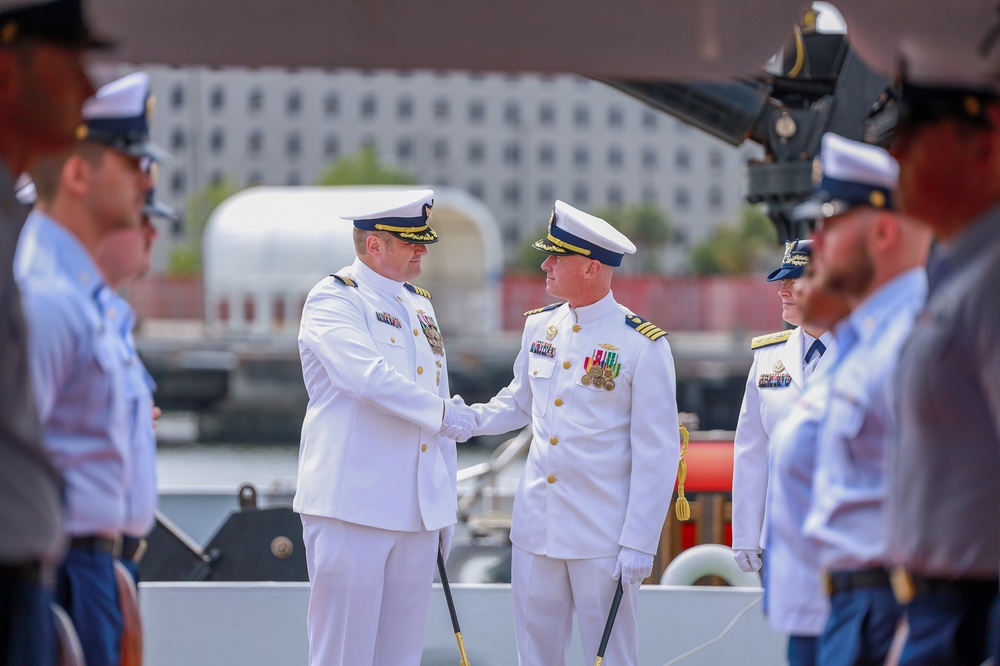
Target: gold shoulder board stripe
{"points": [[770, 339], [345, 280], [551, 306], [417, 290], [650, 330]]}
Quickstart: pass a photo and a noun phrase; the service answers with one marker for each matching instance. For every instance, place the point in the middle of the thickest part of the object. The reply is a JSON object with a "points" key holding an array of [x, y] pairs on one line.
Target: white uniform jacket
{"points": [[370, 453], [602, 464], [774, 382]]}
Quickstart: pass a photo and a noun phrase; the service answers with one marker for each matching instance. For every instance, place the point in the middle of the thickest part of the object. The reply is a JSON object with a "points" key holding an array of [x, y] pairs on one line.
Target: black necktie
{"points": [[816, 347]]}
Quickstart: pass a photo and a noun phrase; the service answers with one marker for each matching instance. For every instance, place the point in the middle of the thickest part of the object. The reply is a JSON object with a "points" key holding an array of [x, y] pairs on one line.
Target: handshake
{"points": [[460, 421]]}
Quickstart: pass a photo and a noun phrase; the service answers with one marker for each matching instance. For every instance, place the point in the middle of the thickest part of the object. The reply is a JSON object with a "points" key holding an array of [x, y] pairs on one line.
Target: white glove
{"points": [[446, 534], [460, 421], [632, 567], [747, 560]]}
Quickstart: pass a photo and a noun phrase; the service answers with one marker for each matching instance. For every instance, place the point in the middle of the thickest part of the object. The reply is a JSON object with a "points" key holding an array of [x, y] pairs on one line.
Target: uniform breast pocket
{"points": [[845, 421], [540, 374], [597, 407], [389, 341]]}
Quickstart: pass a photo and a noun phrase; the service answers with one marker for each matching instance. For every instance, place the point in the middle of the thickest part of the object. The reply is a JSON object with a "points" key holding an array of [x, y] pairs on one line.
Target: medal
{"points": [[601, 368], [431, 332]]}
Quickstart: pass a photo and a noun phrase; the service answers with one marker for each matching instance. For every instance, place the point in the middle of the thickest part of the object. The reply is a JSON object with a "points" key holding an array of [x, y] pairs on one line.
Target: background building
{"points": [[515, 141]]}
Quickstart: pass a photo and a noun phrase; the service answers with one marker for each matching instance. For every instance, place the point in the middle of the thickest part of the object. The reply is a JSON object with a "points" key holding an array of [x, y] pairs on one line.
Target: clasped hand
{"points": [[460, 421]]}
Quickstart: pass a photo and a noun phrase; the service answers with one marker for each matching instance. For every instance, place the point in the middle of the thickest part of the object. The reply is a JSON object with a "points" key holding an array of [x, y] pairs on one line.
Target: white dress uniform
{"points": [[776, 378], [376, 482], [597, 385]]}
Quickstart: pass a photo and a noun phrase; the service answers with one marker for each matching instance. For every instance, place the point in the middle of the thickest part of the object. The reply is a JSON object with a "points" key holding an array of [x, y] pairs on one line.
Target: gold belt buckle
{"points": [[902, 585], [140, 550], [827, 583]]}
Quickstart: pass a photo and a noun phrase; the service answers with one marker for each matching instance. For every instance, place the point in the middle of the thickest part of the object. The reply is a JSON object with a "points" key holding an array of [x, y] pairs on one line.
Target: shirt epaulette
{"points": [[770, 339], [417, 290], [345, 280], [551, 306], [650, 330]]}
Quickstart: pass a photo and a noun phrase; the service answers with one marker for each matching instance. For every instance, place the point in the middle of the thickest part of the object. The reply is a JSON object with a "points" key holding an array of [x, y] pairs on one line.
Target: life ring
{"points": [[707, 559]]}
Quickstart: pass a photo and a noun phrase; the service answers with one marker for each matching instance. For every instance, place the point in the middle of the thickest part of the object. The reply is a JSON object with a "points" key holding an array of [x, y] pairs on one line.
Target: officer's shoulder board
{"points": [[417, 290], [770, 339], [650, 330], [551, 306], [345, 280]]}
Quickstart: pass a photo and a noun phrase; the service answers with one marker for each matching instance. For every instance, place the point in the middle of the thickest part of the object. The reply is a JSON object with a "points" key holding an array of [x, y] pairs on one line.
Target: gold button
{"points": [[393, 339], [423, 448], [559, 402], [566, 364], [420, 369], [416, 332], [534, 372], [551, 479], [553, 441], [576, 328], [437, 363], [399, 299]]}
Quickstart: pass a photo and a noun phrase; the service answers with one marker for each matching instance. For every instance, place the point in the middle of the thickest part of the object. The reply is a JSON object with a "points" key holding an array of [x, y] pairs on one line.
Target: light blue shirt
{"points": [[77, 374], [141, 494], [846, 516]]}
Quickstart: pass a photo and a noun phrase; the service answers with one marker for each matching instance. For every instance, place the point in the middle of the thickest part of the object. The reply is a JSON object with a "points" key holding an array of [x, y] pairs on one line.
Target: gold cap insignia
{"points": [[877, 199]]}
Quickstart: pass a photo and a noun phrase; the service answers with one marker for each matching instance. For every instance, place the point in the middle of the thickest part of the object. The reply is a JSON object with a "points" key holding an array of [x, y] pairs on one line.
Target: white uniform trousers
{"points": [[370, 590], [546, 591]]}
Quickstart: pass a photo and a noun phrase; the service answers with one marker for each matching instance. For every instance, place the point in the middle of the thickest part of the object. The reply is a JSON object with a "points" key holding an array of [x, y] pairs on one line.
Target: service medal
{"points": [[586, 380], [431, 332], [602, 367], [598, 382], [609, 385]]}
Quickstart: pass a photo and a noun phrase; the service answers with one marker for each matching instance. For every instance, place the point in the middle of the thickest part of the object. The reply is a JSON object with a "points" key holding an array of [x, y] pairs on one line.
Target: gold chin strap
{"points": [[572, 248], [682, 507], [412, 230]]}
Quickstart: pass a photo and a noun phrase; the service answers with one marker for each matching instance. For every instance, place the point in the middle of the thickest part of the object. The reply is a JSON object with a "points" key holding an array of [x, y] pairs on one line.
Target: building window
{"points": [[293, 104], [512, 114], [546, 114], [441, 109], [331, 147], [217, 99], [615, 118], [581, 156], [331, 105], [441, 150], [581, 195], [476, 189], [581, 116], [177, 183], [477, 111], [217, 141], [255, 178], [546, 155], [512, 154], [512, 194], [477, 152], [178, 139], [715, 198], [615, 158], [649, 119], [177, 97], [615, 197], [649, 159], [715, 159], [546, 194], [294, 178], [404, 150], [682, 159], [404, 108], [681, 198], [368, 107], [255, 143], [255, 101], [649, 194], [293, 146]]}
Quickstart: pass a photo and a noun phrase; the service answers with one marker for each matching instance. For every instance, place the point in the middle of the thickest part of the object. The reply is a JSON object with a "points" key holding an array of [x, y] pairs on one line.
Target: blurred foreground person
{"points": [[796, 601], [875, 258], [42, 87], [78, 374], [781, 364], [943, 520]]}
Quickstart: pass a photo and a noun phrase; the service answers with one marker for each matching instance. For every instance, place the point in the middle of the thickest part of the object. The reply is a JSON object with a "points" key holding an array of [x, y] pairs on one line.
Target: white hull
{"points": [[245, 624]]}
